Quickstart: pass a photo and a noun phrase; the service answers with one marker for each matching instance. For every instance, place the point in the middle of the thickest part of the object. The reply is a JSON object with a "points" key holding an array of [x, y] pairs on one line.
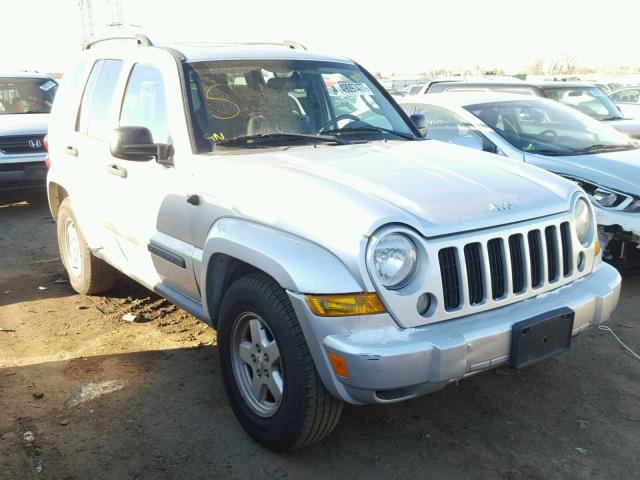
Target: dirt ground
{"points": [[86, 395]]}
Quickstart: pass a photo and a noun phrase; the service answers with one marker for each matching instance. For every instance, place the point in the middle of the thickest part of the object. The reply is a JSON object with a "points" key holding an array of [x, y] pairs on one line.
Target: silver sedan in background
{"points": [[555, 137]]}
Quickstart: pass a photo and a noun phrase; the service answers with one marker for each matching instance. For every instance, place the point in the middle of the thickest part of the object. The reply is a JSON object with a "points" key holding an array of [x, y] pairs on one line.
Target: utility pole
{"points": [[107, 14], [86, 17]]}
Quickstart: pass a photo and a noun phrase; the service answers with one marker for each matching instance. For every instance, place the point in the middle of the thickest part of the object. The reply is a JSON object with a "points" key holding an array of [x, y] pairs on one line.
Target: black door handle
{"points": [[117, 170], [73, 151], [193, 199]]}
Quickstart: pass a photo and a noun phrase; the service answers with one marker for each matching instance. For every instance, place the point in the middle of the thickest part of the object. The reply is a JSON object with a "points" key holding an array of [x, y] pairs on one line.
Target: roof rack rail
{"points": [[285, 43], [139, 39]]}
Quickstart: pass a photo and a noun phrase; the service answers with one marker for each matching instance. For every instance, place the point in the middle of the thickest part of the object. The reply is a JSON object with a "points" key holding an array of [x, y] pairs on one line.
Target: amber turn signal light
{"points": [[345, 305], [339, 364]]}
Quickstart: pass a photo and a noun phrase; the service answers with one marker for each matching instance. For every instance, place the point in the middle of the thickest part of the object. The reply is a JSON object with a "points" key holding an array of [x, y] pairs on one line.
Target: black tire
{"points": [[307, 412], [94, 275]]}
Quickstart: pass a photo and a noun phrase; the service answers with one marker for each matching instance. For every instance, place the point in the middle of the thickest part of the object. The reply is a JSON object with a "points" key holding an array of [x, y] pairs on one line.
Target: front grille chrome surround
{"points": [[478, 271]]}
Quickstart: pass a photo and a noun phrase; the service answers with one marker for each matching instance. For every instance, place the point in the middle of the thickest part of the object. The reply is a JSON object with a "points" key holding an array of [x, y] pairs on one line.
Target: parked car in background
{"points": [[584, 97], [411, 89], [25, 104], [339, 259], [557, 138], [628, 101]]}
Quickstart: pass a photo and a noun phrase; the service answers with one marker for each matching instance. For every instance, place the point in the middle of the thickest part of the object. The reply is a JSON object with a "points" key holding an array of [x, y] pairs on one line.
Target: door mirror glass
{"points": [[136, 144]]}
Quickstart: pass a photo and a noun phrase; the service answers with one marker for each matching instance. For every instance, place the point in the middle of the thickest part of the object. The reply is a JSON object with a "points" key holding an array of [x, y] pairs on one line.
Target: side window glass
{"points": [[447, 127], [83, 114], [98, 125], [144, 103]]}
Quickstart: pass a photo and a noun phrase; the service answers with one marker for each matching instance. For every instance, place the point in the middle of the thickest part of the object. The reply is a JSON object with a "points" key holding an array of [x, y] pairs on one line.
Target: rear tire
{"points": [[255, 306], [87, 273]]}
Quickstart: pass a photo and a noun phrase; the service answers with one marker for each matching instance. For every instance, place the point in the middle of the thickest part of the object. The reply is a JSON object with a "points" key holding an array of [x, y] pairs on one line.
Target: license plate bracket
{"points": [[541, 337]]}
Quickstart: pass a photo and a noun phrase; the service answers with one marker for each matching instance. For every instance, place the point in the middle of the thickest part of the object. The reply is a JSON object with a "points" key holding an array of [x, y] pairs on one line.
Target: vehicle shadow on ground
{"points": [[164, 414]]}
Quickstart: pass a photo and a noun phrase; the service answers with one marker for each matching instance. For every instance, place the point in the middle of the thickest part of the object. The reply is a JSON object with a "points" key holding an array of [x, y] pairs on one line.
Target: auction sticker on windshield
{"points": [[353, 89]]}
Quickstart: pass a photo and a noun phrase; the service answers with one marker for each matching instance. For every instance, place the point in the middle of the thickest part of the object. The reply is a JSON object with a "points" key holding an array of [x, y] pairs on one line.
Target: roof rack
{"points": [[285, 43], [138, 38]]}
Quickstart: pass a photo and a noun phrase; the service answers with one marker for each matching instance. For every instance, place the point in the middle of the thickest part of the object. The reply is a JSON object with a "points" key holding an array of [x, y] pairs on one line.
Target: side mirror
{"points": [[136, 144], [420, 121]]}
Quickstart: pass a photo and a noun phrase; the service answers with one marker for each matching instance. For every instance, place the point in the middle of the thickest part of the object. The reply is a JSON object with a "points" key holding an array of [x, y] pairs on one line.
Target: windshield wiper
{"points": [[267, 137], [599, 147], [547, 152], [371, 129], [608, 119]]}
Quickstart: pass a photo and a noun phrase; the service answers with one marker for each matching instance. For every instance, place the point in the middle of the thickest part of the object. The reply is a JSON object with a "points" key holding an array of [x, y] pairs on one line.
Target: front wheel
{"points": [[267, 370]]}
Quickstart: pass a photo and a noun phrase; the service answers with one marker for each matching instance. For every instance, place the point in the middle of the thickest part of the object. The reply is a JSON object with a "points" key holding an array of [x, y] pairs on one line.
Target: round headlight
{"points": [[395, 260], [583, 222]]}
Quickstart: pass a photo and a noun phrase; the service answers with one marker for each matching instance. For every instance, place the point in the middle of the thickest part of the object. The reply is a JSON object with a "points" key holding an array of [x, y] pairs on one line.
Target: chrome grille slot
{"points": [[535, 255], [475, 281], [496, 266], [565, 237], [449, 273], [517, 263], [551, 238]]}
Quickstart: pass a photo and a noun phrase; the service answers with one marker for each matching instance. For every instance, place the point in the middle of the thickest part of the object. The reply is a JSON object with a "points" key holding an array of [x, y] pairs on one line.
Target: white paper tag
{"points": [[353, 89]]}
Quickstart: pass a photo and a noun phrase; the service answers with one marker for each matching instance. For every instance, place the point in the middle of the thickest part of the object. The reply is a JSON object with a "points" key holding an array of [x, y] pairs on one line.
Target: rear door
{"points": [[87, 152]]}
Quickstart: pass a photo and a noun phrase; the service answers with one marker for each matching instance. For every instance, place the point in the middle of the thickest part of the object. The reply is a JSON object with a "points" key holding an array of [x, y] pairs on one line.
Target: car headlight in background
{"points": [[395, 260], [583, 221], [634, 206], [606, 198]]}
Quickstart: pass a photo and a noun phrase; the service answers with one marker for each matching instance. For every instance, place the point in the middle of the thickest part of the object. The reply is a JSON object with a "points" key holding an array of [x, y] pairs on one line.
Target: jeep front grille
{"points": [[516, 265]]}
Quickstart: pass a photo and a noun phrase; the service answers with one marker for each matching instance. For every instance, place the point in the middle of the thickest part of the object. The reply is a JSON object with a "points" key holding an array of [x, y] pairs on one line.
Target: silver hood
{"points": [[23, 124], [617, 170], [626, 126], [436, 188]]}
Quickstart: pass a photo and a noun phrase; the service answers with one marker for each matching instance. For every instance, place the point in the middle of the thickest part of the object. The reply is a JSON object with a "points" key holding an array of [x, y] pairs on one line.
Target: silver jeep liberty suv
{"points": [[284, 198]]}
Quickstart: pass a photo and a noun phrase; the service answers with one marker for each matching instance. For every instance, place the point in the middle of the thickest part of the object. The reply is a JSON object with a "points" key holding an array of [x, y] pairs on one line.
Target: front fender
{"points": [[295, 263]]}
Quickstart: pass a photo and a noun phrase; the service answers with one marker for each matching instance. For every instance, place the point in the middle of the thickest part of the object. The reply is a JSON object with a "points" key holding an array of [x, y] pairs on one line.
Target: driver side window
{"points": [[145, 104]]}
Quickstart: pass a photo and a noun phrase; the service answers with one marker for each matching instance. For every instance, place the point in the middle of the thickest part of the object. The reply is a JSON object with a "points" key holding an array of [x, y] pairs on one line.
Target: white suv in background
{"points": [[25, 102]]}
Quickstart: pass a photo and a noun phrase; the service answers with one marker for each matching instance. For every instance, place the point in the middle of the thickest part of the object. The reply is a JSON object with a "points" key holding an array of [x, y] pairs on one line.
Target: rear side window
{"points": [[145, 103], [97, 99]]}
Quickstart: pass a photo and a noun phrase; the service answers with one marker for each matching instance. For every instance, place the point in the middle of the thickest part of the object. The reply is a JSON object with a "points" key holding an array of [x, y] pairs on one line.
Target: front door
{"points": [[153, 254]]}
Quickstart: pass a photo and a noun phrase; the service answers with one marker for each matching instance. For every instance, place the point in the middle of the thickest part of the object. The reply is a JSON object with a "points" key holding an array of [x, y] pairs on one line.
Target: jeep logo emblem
{"points": [[35, 143], [500, 207]]}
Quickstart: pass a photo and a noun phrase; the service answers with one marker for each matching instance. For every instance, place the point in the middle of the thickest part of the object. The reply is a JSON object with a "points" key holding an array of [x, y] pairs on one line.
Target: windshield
{"points": [[591, 101], [260, 103], [26, 95], [548, 128]]}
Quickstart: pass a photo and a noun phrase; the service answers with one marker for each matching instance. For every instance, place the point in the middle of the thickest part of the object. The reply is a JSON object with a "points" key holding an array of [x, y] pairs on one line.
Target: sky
{"points": [[406, 37]]}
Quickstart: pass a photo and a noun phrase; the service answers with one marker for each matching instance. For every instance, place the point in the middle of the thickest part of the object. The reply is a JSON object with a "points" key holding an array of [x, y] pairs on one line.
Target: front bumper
{"points": [[625, 221], [389, 364], [18, 171]]}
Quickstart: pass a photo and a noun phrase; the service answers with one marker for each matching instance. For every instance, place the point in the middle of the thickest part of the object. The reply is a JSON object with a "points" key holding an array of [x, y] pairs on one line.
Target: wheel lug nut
{"points": [[266, 357], [266, 373]]}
